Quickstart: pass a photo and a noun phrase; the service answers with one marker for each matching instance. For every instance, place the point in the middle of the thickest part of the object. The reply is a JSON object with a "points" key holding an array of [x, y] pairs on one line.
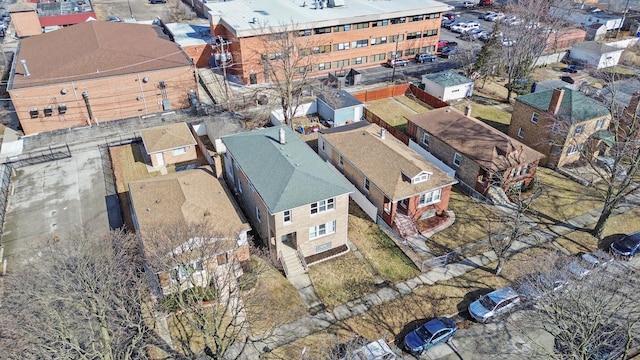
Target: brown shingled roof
{"points": [[385, 161], [191, 196], [167, 137], [94, 49], [26, 23], [478, 141]]}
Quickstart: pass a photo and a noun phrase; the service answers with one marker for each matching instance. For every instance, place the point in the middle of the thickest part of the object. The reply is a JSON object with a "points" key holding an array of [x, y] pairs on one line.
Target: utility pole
{"points": [[395, 56], [223, 63]]}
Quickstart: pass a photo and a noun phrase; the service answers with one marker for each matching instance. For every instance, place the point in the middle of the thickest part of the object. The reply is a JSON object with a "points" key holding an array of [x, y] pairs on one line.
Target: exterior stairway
{"points": [[291, 262], [405, 226]]}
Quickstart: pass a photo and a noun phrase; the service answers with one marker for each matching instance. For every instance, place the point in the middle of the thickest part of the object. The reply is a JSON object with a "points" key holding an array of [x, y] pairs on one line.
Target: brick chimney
{"points": [[556, 100], [632, 108]]}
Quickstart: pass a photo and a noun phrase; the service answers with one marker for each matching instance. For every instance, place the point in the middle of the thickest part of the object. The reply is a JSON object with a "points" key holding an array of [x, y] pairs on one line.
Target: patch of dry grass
{"points": [[497, 116], [468, 227], [342, 279], [264, 302], [415, 104], [128, 165], [378, 249], [562, 198], [391, 111]]}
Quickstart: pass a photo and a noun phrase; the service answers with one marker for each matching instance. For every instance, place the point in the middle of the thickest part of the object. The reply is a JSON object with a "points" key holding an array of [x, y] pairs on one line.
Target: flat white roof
{"points": [[190, 34], [247, 17]]}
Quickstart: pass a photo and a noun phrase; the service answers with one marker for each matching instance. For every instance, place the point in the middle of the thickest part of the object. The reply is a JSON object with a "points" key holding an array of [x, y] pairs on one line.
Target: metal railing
{"points": [[5, 188], [438, 261], [284, 263], [39, 157], [302, 261]]}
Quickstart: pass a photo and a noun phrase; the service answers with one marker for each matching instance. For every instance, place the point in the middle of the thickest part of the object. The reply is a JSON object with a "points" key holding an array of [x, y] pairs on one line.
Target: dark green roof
{"points": [[574, 108], [285, 176]]}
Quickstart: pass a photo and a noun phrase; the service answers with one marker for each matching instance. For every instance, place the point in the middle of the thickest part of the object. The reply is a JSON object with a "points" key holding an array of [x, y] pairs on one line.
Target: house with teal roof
{"points": [[447, 85], [559, 123], [294, 200]]}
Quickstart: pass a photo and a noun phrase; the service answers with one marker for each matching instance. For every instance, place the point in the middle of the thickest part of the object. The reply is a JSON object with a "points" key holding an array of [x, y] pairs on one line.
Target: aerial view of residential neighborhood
{"points": [[320, 179]]}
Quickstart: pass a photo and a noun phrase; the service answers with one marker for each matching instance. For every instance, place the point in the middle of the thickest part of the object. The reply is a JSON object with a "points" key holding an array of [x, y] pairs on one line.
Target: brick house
{"points": [[107, 71], [482, 155], [169, 144], [190, 196], [333, 36], [294, 201], [392, 176], [559, 123]]}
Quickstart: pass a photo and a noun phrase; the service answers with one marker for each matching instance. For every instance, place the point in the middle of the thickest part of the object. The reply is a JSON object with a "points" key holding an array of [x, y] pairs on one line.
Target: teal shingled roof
{"points": [[448, 78], [286, 176], [574, 108]]}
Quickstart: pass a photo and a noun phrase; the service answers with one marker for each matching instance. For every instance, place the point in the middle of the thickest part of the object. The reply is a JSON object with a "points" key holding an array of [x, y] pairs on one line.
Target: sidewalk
{"points": [[301, 328]]}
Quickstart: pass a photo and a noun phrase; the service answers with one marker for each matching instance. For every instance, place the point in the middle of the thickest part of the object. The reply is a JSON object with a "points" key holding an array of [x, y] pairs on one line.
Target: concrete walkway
{"points": [[301, 328]]}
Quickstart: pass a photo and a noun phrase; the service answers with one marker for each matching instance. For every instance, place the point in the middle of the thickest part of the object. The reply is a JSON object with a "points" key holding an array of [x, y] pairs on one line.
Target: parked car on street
{"points": [[446, 22], [486, 15], [449, 51], [468, 4], [432, 333], [446, 43], [537, 285], [471, 35], [495, 17], [422, 57], [464, 27], [507, 42], [376, 350], [587, 263], [397, 62], [627, 246], [450, 24], [493, 304], [449, 16]]}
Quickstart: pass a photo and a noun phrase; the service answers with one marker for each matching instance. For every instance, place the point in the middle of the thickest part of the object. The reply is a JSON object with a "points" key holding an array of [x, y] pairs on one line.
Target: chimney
{"points": [[382, 133], [283, 140], [634, 105], [26, 69], [556, 100], [467, 113]]}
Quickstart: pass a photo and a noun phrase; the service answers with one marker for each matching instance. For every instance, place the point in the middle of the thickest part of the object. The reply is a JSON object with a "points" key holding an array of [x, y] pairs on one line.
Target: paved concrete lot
{"points": [[54, 198]]}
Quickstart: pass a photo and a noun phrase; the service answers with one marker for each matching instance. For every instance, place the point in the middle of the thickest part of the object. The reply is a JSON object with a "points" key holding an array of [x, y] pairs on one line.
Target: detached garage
{"points": [[339, 107], [447, 85], [596, 55]]}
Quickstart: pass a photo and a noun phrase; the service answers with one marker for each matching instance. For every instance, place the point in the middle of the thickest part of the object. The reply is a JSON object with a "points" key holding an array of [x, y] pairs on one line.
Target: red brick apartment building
{"points": [[97, 71], [337, 34]]}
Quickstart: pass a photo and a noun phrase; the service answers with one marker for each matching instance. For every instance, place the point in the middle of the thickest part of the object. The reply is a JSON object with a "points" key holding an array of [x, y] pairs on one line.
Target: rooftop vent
{"points": [[26, 69]]}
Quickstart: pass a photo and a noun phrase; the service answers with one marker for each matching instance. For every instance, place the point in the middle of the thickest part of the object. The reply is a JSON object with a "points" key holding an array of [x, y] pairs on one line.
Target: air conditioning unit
{"points": [[33, 113], [62, 108], [48, 111]]}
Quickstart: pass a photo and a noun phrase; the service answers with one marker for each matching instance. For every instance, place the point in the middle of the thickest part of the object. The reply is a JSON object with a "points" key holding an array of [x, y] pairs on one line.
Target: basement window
{"points": [[33, 113]]}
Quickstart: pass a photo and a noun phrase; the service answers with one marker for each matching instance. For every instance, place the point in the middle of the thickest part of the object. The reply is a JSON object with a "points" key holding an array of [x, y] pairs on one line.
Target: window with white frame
{"points": [[287, 216], [421, 178], [520, 133], [367, 184], [534, 118], [599, 124], [323, 247], [360, 43], [430, 198], [179, 151], [572, 149], [184, 271], [425, 139], [322, 206], [457, 159], [258, 214], [341, 46], [578, 130], [322, 230]]}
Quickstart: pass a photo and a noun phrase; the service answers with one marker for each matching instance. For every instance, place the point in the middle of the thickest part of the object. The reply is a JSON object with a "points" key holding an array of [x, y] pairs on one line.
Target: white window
{"points": [[322, 206], [367, 185], [179, 151], [520, 133], [323, 247], [572, 149], [599, 124], [425, 139], [420, 178], [578, 130], [534, 118], [287, 216], [430, 198], [258, 214], [457, 159], [322, 230], [519, 171]]}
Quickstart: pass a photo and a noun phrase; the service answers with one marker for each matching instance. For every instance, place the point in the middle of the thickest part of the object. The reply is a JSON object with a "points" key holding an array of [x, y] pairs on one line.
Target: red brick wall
{"points": [[110, 98]]}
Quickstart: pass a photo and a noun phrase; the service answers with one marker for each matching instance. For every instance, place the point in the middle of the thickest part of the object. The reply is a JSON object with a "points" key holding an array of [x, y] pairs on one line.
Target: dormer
{"points": [[421, 177]]}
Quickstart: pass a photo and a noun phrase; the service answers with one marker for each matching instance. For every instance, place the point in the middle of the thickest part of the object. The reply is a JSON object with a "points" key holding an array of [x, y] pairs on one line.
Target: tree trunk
{"points": [[500, 265], [607, 210]]}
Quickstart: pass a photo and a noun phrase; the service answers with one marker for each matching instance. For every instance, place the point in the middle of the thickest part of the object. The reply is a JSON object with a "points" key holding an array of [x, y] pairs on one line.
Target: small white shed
{"points": [[595, 54], [447, 85]]}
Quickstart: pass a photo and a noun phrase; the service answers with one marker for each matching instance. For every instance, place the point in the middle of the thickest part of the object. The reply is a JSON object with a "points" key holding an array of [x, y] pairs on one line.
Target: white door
{"points": [[159, 159]]}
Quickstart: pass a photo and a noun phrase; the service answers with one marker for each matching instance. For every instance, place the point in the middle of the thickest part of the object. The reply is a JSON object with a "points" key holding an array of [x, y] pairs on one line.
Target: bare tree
{"points": [[510, 223], [198, 272], [589, 318], [77, 297], [177, 11], [286, 55]]}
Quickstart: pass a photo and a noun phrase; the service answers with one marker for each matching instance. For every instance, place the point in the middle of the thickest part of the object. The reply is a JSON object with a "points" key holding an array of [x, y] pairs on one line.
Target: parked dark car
{"points": [[449, 51], [434, 332], [397, 62], [422, 57], [606, 342], [627, 246], [157, 1], [449, 16]]}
